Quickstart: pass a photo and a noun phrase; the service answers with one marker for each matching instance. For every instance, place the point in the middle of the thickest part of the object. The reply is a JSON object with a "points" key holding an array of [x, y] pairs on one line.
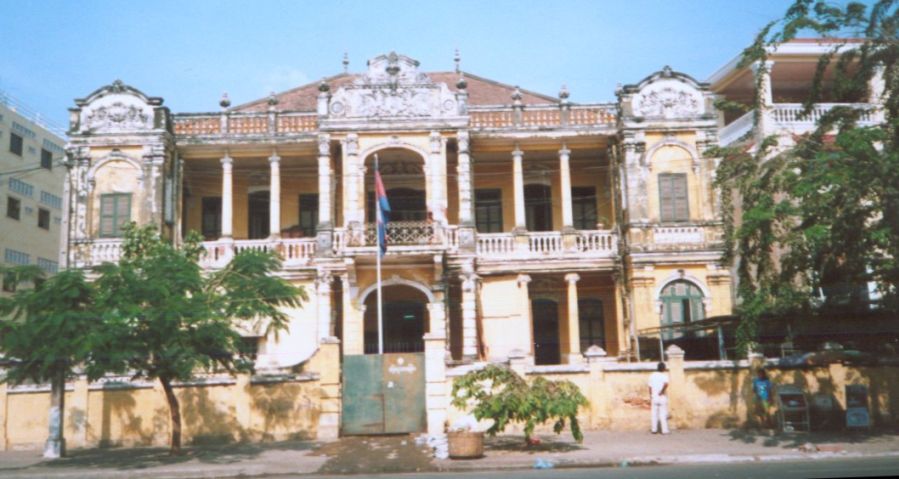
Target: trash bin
{"points": [[824, 414], [857, 416], [792, 409]]}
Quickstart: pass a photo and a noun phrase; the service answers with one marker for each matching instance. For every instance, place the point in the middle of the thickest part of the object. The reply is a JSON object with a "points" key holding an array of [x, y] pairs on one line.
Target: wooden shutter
{"points": [[666, 205], [123, 212], [679, 193], [107, 215]]}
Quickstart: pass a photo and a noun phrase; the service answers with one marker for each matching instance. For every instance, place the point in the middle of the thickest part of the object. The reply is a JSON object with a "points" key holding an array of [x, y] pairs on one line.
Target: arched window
{"points": [[681, 304], [591, 323]]}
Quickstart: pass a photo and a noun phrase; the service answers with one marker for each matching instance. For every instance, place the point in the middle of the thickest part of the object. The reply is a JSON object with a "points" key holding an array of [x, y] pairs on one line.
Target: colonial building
{"points": [[31, 189], [523, 225]]}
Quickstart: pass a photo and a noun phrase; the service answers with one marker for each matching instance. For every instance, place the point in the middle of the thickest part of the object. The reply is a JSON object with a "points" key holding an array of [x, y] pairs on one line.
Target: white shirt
{"points": [[657, 381]]}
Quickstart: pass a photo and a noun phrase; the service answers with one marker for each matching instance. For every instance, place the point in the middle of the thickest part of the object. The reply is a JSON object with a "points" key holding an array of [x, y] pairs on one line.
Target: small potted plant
{"points": [[499, 394]]}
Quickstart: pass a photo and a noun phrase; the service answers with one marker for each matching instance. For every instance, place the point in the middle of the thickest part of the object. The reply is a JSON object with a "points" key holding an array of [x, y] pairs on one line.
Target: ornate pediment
{"points": [[116, 108], [667, 95], [393, 88]]}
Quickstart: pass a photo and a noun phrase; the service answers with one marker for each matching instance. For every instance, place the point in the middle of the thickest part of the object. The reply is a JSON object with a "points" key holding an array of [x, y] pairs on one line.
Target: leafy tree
{"points": [[500, 394], [166, 319], [46, 331], [820, 211]]}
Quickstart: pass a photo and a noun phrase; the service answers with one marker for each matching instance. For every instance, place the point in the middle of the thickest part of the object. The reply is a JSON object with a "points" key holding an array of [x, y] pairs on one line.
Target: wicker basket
{"points": [[465, 444]]}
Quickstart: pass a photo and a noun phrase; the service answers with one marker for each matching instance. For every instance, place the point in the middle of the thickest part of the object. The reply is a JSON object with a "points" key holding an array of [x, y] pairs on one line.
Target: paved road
{"points": [[820, 468]]}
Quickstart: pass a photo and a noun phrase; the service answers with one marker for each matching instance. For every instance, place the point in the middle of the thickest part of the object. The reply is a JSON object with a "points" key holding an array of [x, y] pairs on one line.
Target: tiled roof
{"points": [[481, 91]]}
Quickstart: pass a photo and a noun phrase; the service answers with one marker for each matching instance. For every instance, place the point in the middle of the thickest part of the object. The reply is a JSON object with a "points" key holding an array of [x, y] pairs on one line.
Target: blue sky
{"points": [[190, 51]]}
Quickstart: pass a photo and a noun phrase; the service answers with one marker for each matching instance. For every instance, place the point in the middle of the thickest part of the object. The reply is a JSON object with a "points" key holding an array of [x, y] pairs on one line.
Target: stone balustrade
{"points": [[547, 244], [249, 124], [543, 116], [792, 117]]}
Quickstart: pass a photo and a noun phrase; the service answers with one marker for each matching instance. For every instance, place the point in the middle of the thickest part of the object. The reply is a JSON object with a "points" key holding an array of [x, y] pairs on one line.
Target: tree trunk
{"points": [[55, 447], [175, 411]]}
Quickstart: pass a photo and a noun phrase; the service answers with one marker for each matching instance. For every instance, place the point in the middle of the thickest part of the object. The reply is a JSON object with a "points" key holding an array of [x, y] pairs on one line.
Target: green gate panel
{"points": [[403, 387], [363, 398]]}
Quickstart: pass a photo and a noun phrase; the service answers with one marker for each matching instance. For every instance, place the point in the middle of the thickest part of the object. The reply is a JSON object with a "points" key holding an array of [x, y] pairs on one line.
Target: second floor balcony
{"points": [[791, 118]]}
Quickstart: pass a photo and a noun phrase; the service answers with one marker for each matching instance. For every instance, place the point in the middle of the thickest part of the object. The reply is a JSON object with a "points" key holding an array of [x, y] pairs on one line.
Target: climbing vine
{"points": [[818, 212]]}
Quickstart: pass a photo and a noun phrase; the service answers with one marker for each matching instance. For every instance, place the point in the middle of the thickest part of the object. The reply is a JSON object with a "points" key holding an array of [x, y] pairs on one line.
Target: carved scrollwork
{"points": [[117, 117], [669, 100]]}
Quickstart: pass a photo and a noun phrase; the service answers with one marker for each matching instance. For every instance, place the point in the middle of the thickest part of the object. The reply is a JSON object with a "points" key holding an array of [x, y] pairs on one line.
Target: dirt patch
{"points": [[374, 455]]}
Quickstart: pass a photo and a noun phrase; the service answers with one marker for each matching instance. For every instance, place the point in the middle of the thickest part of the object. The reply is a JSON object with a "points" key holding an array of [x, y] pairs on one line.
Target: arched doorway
{"points": [[402, 172], [405, 320], [681, 304]]}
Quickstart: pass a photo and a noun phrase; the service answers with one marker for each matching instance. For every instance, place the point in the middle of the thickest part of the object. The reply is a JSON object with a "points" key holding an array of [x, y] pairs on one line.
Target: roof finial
{"points": [[272, 100], [346, 62], [225, 102], [458, 60], [564, 93], [516, 96]]}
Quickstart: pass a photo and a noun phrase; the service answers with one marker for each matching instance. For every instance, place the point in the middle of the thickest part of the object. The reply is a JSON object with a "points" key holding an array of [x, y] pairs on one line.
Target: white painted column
{"points": [[274, 218], [437, 167], [469, 317], [762, 72], [324, 182], [565, 181], [574, 330], [466, 205], [227, 198], [323, 300], [518, 187], [351, 180]]}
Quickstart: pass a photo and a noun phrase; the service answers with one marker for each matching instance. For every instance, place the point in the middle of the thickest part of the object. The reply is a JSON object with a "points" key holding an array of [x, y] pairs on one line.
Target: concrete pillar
{"points": [[465, 183], [353, 210], [565, 182], [469, 317], [274, 221], [353, 322], [574, 330], [227, 198], [679, 407], [243, 405], [78, 413], [525, 298], [4, 400], [55, 447], [599, 391], [325, 173], [327, 364], [762, 72], [437, 167], [518, 187], [323, 305], [436, 393], [621, 317]]}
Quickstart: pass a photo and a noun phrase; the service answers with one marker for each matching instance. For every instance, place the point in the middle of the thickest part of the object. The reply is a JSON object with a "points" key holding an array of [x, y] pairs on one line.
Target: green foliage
{"points": [[164, 319], [48, 329], [820, 212], [498, 393]]}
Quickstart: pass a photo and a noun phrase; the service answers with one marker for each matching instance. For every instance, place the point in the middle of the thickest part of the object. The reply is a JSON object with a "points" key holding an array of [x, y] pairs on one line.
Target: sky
{"points": [[191, 51]]}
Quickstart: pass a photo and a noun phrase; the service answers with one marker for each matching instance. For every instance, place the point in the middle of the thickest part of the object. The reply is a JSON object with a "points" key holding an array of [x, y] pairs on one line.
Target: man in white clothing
{"points": [[658, 397]]}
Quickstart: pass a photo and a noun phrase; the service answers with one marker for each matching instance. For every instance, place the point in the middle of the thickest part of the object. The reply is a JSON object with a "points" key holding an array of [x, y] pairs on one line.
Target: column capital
{"points": [[463, 139], [351, 144], [564, 151], [227, 161], [517, 153], [436, 142], [757, 66], [274, 158], [324, 144], [523, 279], [572, 278]]}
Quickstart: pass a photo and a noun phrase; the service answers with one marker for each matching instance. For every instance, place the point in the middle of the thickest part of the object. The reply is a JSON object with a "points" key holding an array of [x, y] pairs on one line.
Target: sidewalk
{"points": [[395, 454]]}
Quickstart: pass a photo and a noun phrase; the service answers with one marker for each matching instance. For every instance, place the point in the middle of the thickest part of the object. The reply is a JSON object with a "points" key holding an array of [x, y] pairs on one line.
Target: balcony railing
{"points": [[548, 244], [789, 116], [403, 236], [294, 252], [543, 116], [249, 124]]}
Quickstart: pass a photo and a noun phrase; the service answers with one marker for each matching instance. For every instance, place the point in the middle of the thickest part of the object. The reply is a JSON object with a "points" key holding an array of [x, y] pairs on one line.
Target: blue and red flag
{"points": [[383, 215]]}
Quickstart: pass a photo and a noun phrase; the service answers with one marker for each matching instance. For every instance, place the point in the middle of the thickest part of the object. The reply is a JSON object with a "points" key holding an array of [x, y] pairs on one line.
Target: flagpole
{"points": [[378, 250]]}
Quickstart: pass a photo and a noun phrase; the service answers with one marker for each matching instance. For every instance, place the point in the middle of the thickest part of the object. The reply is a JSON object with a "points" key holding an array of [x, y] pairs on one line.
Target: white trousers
{"points": [[660, 414]]}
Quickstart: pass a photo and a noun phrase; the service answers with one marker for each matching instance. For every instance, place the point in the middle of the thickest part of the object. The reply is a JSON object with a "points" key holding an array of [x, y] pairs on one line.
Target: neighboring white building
{"points": [[31, 188]]}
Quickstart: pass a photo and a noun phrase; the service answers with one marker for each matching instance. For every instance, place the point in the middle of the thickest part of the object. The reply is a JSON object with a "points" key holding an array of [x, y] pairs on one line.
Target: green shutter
{"points": [[115, 213], [666, 205], [679, 192]]}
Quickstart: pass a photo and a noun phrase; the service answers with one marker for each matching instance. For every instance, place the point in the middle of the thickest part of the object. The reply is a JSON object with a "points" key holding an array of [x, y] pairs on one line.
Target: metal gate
{"points": [[384, 394]]}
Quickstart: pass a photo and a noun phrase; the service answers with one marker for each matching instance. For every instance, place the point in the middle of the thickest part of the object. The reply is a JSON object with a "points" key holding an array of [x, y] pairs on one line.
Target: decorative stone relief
{"points": [[116, 108], [393, 87], [668, 99]]}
